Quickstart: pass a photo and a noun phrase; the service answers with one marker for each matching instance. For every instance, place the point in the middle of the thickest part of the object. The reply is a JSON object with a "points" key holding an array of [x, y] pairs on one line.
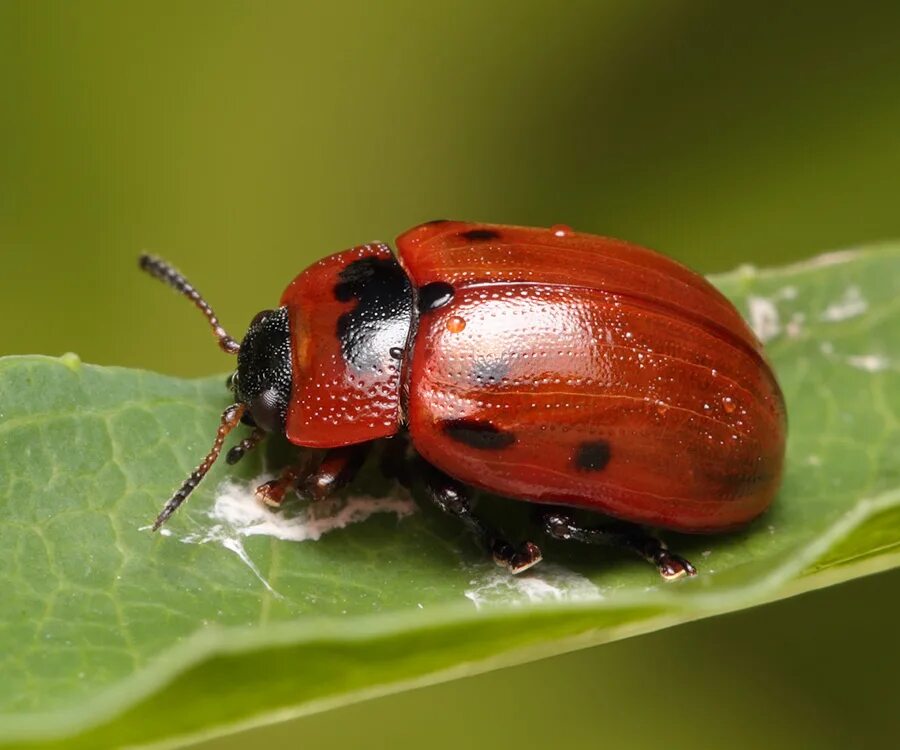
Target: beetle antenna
{"points": [[245, 446], [230, 418], [158, 268]]}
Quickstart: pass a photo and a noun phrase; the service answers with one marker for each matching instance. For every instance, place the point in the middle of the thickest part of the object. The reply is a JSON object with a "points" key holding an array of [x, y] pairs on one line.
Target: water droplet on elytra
{"points": [[455, 324]]}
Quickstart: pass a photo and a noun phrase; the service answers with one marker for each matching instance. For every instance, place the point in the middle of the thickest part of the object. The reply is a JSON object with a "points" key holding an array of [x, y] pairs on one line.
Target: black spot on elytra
{"points": [[478, 434], [489, 371], [592, 456], [382, 315], [434, 295], [436, 221], [478, 235]]}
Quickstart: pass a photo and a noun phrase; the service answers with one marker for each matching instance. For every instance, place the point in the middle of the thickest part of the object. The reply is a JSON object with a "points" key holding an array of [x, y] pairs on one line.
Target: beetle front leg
{"points": [[272, 492], [454, 498], [335, 470], [619, 534]]}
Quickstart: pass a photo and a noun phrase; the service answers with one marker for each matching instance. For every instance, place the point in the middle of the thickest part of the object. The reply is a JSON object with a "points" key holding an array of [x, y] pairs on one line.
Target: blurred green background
{"points": [[242, 140]]}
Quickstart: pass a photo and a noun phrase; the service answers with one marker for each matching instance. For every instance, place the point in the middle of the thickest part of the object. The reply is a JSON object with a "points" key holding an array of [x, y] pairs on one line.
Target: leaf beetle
{"points": [[546, 365]]}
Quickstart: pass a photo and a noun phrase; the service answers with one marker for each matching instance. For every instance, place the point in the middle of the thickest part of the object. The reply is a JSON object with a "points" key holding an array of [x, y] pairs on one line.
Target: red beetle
{"points": [[564, 369]]}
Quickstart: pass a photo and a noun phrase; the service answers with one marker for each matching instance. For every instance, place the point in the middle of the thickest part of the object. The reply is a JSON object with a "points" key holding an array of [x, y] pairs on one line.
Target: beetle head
{"points": [[262, 380]]}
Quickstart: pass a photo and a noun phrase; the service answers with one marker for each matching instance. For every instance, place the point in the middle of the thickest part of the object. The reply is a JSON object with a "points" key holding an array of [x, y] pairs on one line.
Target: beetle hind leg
{"points": [[671, 566], [454, 498]]}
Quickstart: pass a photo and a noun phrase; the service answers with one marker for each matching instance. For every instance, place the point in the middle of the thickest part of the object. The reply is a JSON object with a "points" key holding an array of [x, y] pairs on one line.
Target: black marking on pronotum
{"points": [[434, 295], [592, 455], [396, 352], [480, 234], [356, 277], [478, 434], [380, 319]]}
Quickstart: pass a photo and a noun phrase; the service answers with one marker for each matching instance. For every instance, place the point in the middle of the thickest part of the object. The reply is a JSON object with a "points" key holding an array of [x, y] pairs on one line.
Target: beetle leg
{"points": [[272, 492], [454, 498], [335, 471], [317, 481], [619, 534]]}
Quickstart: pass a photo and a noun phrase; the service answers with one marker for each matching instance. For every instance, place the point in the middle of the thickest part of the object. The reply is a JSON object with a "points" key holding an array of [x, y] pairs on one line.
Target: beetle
{"points": [[546, 365]]}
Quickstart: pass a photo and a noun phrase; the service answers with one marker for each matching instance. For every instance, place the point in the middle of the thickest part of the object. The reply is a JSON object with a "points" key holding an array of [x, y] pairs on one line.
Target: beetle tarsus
{"points": [[515, 560], [624, 535], [672, 566], [454, 498], [272, 493], [316, 482]]}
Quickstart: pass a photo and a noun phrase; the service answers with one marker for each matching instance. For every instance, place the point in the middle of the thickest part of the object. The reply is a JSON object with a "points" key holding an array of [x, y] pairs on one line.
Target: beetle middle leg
{"points": [[454, 498], [561, 525], [337, 468]]}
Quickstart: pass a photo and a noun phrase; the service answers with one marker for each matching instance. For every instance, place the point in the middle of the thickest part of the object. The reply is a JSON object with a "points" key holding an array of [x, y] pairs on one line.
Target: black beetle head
{"points": [[262, 380]]}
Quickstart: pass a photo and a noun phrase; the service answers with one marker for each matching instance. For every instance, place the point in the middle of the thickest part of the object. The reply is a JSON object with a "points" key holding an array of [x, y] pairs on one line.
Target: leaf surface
{"points": [[113, 635]]}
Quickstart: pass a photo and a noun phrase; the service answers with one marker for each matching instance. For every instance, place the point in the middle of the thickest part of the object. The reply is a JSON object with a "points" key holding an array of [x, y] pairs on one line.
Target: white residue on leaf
{"points": [[851, 304], [236, 514], [546, 583], [765, 319], [865, 362], [869, 362], [237, 508], [237, 546]]}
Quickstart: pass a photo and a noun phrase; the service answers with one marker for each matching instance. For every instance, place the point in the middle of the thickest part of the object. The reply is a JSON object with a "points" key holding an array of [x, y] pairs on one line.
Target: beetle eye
{"points": [[260, 317], [266, 410]]}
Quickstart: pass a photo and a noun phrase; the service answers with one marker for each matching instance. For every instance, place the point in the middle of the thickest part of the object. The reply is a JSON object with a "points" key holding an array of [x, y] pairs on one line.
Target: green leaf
{"points": [[113, 635]]}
